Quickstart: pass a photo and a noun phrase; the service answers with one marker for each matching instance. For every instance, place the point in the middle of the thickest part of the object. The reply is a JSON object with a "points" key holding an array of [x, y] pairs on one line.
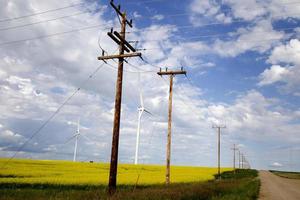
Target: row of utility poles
{"points": [[243, 162], [126, 50]]}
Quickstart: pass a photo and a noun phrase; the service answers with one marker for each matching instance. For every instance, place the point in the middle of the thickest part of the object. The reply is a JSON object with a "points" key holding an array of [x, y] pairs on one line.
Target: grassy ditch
{"points": [[291, 175]]}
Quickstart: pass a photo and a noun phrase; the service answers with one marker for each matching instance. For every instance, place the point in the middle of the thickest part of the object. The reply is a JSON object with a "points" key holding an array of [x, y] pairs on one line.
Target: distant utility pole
{"points": [[234, 149], [242, 161], [119, 38], [239, 159], [171, 74], [219, 127]]}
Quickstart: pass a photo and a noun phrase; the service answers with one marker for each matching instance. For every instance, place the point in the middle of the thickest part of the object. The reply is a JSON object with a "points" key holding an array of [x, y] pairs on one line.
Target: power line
{"points": [[53, 115], [95, 26], [140, 70], [52, 35], [43, 21], [42, 12], [226, 34], [202, 25], [147, 1], [62, 8], [267, 40], [223, 10], [128, 71], [150, 63], [171, 15]]}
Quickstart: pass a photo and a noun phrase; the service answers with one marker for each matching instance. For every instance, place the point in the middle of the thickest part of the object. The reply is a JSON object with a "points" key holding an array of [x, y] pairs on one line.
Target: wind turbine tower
{"points": [[141, 110], [77, 134]]}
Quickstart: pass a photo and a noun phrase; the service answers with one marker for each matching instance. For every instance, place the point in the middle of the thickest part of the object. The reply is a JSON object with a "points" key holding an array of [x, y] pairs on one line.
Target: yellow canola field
{"points": [[70, 173]]}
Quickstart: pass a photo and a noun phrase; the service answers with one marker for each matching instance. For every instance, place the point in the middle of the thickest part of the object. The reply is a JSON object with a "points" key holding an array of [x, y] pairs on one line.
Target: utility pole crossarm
{"points": [[162, 73], [124, 41], [119, 56], [218, 126], [116, 40]]}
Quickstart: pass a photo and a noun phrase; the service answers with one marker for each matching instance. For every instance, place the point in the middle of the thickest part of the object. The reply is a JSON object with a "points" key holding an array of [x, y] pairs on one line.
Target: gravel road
{"points": [[274, 187]]}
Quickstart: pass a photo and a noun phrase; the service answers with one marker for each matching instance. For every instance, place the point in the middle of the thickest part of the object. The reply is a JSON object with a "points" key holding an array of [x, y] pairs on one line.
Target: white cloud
{"points": [[288, 55], [205, 7], [136, 15], [178, 55], [205, 11], [158, 17], [247, 10], [274, 74], [156, 43], [9, 137], [249, 39], [276, 164]]}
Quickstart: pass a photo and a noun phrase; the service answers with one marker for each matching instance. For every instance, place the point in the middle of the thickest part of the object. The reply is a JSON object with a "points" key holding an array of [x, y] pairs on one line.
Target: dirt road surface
{"points": [[274, 187]]}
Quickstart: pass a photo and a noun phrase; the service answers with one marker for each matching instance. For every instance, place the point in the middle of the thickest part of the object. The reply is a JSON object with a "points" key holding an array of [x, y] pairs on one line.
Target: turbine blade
{"points": [[78, 125], [141, 99], [140, 91], [148, 112], [71, 138], [87, 138]]}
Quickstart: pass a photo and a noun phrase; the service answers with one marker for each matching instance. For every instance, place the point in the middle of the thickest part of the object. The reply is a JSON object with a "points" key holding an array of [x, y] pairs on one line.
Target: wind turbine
{"points": [[141, 110], [76, 136]]}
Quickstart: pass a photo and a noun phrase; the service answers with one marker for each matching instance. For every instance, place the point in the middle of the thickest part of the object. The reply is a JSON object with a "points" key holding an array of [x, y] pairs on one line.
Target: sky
{"points": [[243, 66]]}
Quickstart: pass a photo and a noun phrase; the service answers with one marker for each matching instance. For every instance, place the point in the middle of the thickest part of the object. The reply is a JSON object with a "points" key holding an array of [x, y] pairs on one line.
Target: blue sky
{"points": [[243, 65]]}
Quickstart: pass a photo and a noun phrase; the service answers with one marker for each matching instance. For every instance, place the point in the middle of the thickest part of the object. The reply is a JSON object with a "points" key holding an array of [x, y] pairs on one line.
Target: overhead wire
{"points": [[43, 21], [146, 1], [223, 10], [44, 124], [182, 99], [226, 34], [176, 27], [247, 41], [53, 35], [95, 26], [140, 70], [41, 12]]}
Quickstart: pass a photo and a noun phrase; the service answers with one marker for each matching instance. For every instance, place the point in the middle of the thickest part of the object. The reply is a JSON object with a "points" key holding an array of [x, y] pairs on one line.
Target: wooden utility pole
{"points": [[234, 149], [120, 39], [219, 127], [171, 74]]}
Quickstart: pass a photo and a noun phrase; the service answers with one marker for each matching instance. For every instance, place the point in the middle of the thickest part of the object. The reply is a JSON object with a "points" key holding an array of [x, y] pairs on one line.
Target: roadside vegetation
{"points": [[31, 180], [292, 175]]}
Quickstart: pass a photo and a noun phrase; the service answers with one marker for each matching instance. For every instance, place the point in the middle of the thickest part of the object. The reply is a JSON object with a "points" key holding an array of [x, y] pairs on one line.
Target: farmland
{"points": [[68, 173], [33, 179]]}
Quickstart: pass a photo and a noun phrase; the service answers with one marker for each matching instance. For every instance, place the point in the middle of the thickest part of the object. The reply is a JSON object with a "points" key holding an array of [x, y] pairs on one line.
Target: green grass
{"points": [[292, 175], [32, 180]]}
